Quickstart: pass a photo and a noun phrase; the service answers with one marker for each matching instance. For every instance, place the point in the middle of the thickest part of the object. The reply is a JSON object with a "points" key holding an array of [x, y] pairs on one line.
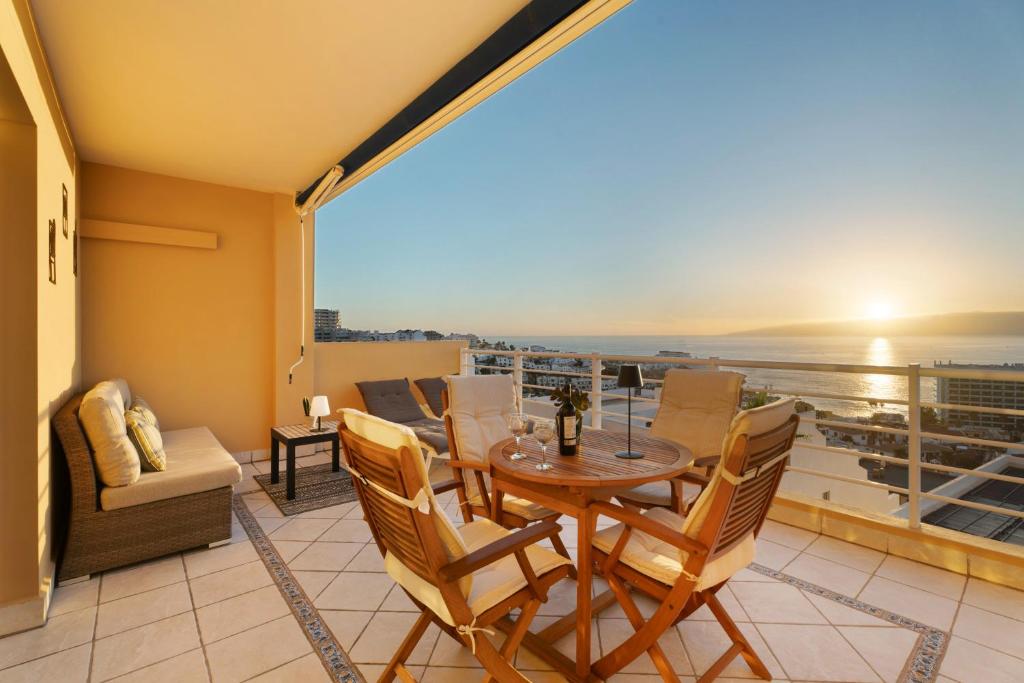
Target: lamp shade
{"points": [[319, 407], [629, 377]]}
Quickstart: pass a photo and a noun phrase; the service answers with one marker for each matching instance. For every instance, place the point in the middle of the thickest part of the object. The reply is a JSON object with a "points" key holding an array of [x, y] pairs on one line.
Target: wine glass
{"points": [[517, 424], [544, 432]]}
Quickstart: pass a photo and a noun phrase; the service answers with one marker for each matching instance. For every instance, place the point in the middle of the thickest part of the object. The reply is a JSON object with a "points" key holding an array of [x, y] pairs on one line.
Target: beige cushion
{"points": [[140, 405], [147, 441], [479, 406], [663, 561], [196, 462], [754, 421], [394, 436], [696, 408], [491, 584], [102, 416], [126, 394], [658, 493], [518, 506]]}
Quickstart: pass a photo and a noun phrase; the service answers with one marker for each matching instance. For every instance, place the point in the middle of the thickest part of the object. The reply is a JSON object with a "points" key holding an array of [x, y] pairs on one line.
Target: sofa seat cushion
{"points": [[196, 462]]}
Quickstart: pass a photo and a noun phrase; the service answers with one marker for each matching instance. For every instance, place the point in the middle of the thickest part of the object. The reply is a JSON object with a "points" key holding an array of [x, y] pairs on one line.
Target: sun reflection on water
{"points": [[879, 352]]}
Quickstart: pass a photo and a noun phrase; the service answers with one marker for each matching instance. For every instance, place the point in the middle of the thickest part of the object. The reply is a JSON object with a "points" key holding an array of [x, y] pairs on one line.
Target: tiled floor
{"points": [[216, 614]]}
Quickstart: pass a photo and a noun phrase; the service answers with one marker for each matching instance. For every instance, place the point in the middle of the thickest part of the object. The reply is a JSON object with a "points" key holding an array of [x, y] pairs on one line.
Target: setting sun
{"points": [[879, 310]]}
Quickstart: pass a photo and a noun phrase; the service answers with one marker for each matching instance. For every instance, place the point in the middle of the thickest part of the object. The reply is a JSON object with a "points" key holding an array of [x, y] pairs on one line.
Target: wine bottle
{"points": [[566, 419]]}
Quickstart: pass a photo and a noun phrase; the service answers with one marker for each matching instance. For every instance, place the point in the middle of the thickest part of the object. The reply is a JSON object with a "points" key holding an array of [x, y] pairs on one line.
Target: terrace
{"points": [[170, 192]]}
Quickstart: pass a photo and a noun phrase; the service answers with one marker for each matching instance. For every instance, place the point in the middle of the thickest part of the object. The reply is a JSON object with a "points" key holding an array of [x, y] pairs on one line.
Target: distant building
{"points": [[981, 392], [326, 324]]}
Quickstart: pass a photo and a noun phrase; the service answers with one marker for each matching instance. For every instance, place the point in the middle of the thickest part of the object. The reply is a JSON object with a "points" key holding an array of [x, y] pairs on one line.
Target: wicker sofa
{"points": [[160, 514]]}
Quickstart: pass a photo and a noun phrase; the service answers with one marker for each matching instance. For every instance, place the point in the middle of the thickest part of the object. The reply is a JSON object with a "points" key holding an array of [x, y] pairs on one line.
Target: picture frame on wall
{"points": [[64, 200], [53, 251]]}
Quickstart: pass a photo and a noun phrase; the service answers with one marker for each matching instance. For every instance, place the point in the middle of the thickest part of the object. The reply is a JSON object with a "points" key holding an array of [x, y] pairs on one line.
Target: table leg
{"points": [[335, 455], [584, 571], [275, 457], [290, 473], [497, 504]]}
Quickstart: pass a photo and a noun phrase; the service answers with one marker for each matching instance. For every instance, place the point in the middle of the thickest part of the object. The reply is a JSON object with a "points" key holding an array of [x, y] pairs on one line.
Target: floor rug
{"points": [[316, 487]]}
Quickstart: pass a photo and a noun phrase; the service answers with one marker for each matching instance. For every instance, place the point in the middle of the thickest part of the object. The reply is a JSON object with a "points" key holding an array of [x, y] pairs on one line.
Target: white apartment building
{"points": [[981, 392], [326, 323]]}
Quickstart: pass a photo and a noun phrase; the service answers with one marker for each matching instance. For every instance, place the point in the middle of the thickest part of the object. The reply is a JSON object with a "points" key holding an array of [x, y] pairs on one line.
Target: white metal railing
{"points": [[913, 432]]}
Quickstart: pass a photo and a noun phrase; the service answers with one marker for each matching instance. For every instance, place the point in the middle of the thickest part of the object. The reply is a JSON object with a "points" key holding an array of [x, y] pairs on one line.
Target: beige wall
{"points": [[40, 353], [192, 330], [340, 365]]}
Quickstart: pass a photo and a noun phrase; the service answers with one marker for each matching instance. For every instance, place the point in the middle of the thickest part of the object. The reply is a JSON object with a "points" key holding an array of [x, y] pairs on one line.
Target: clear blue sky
{"points": [[706, 167]]}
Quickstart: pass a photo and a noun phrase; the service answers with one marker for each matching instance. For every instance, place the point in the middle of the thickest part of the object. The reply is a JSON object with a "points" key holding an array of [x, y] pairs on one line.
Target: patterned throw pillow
{"points": [[140, 405], [147, 441]]}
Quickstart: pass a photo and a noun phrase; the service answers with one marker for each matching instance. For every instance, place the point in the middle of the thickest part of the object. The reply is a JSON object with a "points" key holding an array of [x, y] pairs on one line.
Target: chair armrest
{"points": [[442, 486], [469, 465], [648, 526], [493, 552], [694, 478]]}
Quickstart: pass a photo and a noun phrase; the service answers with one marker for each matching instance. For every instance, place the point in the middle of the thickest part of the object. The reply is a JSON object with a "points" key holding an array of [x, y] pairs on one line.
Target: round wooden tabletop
{"points": [[596, 464]]}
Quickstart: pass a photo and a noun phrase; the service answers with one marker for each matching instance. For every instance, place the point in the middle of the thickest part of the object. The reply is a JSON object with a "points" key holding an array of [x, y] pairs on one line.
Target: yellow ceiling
{"points": [[261, 94]]}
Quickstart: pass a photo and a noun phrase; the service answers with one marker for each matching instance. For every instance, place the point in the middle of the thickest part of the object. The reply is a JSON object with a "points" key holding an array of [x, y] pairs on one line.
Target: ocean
{"points": [[858, 350]]}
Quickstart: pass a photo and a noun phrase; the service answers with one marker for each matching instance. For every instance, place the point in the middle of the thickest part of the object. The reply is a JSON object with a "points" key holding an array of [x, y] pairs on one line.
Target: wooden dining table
{"points": [[571, 486]]}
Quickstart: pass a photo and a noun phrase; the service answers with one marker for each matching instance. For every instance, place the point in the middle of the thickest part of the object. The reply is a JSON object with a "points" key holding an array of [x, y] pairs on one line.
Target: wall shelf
{"points": [[147, 234]]}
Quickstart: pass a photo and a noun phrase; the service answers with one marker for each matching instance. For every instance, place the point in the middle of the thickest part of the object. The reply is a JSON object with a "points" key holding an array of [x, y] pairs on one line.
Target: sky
{"points": [[708, 167]]}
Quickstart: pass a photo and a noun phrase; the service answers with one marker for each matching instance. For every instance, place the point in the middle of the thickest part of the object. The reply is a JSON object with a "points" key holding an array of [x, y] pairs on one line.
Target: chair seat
{"points": [[663, 561], [491, 584], [518, 506], [658, 493]]}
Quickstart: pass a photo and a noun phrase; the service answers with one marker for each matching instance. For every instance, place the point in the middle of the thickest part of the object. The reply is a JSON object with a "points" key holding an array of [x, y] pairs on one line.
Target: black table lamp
{"points": [[629, 379]]}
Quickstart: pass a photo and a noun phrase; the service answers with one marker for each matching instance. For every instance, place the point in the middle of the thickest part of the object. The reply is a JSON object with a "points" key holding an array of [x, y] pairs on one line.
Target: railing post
{"points": [[914, 444], [714, 363], [466, 365], [517, 377], [596, 368]]}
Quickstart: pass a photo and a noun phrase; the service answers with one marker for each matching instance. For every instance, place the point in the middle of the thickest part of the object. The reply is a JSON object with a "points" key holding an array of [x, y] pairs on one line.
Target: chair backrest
{"points": [[431, 388], [754, 456], [478, 407], [391, 399], [388, 455], [696, 409]]}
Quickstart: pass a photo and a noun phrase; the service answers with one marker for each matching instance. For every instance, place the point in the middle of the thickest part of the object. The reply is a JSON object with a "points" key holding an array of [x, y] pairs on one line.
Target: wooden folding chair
{"points": [[695, 411], [475, 409], [463, 580], [683, 561]]}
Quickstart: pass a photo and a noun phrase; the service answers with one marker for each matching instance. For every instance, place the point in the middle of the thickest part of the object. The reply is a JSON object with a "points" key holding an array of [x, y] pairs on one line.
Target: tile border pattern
{"points": [[921, 667], [332, 655], [923, 664]]}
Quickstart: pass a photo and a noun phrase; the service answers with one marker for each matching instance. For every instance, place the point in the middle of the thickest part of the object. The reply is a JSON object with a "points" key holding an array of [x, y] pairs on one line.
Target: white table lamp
{"points": [[319, 408]]}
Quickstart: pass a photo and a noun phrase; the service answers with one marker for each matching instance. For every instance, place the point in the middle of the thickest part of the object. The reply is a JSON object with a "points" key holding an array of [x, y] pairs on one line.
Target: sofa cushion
{"points": [[196, 462], [147, 441], [141, 405], [126, 393], [102, 416]]}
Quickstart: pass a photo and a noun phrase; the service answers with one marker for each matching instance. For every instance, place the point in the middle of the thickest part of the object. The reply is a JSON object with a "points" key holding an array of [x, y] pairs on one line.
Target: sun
{"points": [[879, 310]]}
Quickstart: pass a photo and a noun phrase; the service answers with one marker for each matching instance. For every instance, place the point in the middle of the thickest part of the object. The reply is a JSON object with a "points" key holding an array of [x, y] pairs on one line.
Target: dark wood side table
{"points": [[300, 435]]}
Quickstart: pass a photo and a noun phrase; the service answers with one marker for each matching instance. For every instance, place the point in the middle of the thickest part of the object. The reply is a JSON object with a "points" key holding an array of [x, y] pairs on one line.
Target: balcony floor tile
{"points": [[222, 607]]}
